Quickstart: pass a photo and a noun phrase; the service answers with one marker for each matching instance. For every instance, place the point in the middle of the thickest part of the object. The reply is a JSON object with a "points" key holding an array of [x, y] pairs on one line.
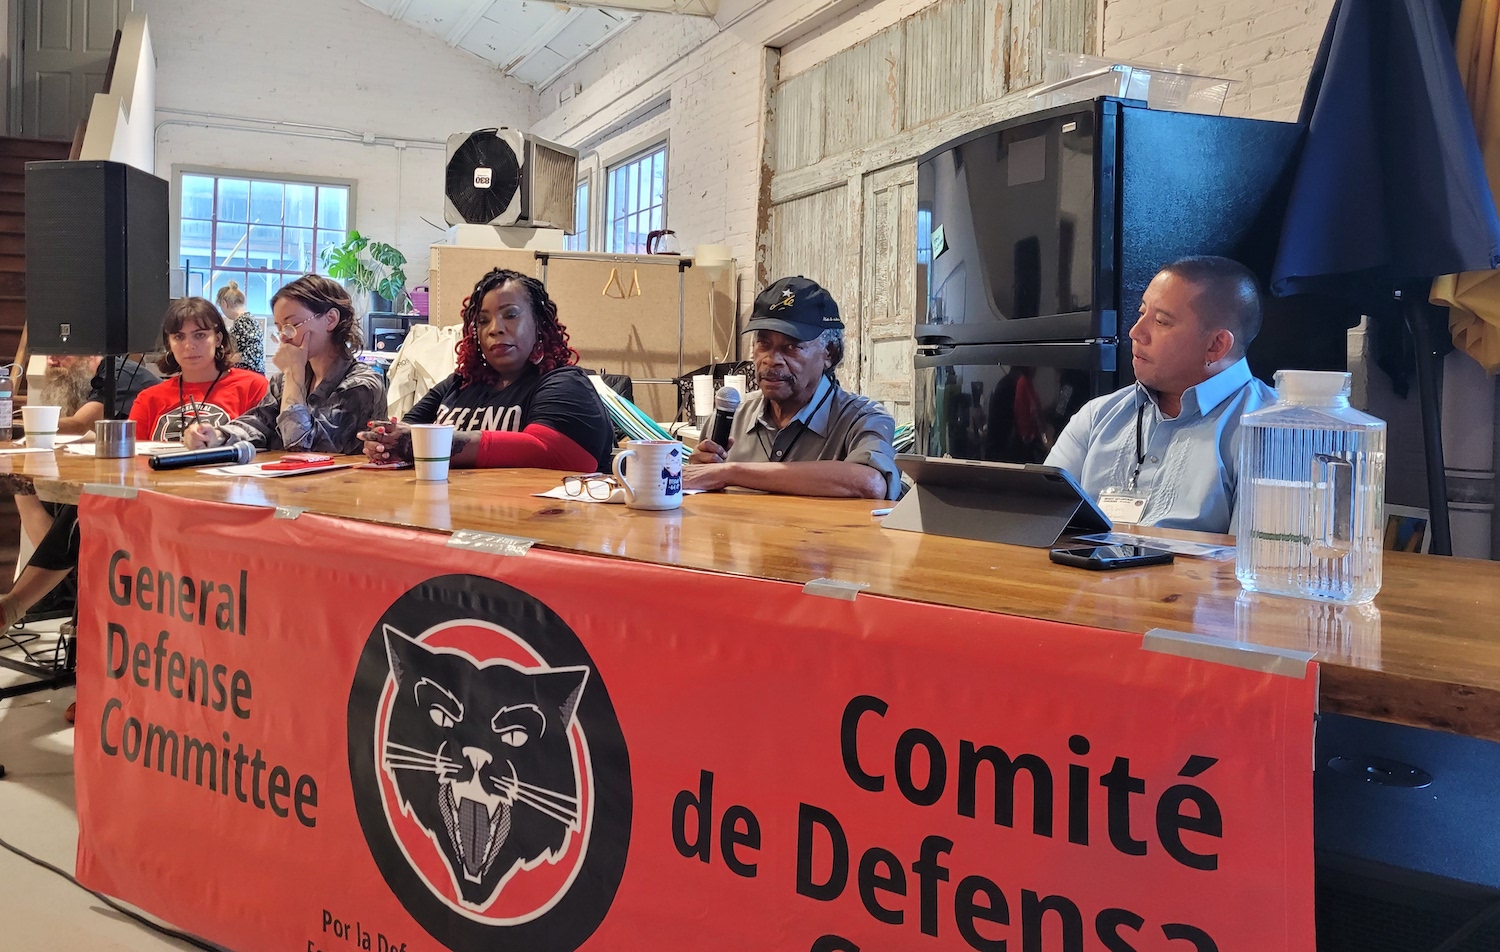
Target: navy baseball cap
{"points": [[796, 307]]}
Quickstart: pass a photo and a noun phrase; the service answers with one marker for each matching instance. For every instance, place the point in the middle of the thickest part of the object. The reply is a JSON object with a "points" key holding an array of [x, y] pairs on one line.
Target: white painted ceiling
{"points": [[534, 42]]}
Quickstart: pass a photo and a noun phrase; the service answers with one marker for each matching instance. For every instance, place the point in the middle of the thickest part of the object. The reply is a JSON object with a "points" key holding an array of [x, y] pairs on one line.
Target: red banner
{"points": [[316, 734]]}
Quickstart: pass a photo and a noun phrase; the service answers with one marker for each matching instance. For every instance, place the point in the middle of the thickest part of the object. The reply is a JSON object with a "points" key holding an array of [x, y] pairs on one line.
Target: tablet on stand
{"points": [[1012, 503]]}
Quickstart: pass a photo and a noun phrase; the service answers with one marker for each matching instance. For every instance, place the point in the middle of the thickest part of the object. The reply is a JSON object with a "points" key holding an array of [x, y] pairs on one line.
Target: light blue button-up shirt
{"points": [[1191, 467]]}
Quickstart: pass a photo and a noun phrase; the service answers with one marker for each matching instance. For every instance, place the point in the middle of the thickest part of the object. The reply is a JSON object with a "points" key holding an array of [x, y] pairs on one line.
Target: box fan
{"points": [[507, 178]]}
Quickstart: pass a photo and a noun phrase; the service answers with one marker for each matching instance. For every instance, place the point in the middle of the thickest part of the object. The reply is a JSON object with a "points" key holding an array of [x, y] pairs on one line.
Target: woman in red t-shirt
{"points": [[206, 387]]}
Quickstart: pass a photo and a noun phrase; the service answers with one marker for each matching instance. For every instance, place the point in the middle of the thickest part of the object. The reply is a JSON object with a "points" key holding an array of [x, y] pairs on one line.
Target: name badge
{"points": [[1123, 506]]}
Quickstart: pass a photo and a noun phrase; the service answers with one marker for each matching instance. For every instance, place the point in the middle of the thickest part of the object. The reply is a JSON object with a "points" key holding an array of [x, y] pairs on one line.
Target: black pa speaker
{"points": [[97, 250]]}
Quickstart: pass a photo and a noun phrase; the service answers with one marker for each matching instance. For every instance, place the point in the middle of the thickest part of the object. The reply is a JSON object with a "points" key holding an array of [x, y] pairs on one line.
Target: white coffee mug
{"points": [[655, 480], [431, 447], [41, 426]]}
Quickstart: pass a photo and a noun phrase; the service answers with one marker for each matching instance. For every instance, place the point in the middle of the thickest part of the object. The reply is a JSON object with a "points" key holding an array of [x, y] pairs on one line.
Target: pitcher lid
{"points": [[1312, 386]]}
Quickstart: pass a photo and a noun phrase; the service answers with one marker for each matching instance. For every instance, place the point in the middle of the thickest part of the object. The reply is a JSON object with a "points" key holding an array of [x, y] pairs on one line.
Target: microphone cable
{"points": [[131, 914]]}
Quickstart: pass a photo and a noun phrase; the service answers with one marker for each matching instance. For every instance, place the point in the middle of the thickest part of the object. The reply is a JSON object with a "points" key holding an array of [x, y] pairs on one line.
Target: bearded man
{"points": [[65, 385]]}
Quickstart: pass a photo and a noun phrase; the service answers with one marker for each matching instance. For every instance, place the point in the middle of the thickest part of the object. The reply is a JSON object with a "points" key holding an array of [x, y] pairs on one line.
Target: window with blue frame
{"points": [[637, 202], [260, 232]]}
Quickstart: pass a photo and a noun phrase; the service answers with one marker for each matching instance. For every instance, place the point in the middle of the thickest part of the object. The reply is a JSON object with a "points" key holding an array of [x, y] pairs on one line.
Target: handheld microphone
{"points": [[241, 452], [726, 402]]}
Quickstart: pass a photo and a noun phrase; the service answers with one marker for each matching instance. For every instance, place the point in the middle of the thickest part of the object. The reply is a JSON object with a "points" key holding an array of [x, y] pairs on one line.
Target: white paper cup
{"points": [[431, 447], [737, 381], [41, 426], [703, 395]]}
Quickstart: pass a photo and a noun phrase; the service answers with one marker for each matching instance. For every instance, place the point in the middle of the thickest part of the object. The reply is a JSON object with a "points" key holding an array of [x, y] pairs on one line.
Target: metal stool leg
{"points": [[51, 673]]}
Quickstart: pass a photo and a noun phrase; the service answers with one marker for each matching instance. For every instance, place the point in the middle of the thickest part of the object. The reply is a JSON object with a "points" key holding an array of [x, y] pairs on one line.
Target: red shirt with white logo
{"points": [[159, 411]]}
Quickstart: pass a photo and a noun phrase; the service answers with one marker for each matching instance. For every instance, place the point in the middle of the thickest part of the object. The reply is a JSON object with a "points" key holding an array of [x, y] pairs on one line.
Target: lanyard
{"points": [[1140, 448], [760, 435], [182, 400]]}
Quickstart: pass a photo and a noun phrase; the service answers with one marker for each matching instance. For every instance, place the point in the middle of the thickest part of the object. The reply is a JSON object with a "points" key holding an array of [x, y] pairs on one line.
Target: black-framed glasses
{"points": [[594, 485]]}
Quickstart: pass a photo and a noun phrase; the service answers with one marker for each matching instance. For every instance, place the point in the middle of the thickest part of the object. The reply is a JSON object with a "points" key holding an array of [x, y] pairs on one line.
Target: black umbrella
{"points": [[1390, 190]]}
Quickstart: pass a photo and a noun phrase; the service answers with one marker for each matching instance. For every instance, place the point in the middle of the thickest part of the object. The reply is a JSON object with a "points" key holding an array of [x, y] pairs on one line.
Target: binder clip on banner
{"points": [[614, 282]]}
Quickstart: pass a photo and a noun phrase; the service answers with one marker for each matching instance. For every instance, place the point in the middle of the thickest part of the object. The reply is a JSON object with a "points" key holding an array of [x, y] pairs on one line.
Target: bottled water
{"points": [[7, 413], [1311, 492]]}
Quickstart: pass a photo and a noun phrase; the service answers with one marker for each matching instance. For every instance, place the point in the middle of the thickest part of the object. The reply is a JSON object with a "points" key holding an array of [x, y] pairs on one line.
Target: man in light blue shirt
{"points": [[1163, 451]]}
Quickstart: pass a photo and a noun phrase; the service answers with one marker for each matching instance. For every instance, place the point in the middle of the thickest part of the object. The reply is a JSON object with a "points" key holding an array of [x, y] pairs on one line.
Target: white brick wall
{"points": [[713, 81], [334, 63], [345, 65], [713, 123], [1268, 51]]}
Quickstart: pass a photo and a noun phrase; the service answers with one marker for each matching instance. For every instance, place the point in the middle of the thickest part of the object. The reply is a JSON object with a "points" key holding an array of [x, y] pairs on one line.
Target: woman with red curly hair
{"points": [[517, 399]]}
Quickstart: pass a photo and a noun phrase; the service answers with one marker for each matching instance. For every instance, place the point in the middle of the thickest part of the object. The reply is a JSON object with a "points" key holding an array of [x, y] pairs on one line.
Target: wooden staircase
{"points": [[14, 154]]}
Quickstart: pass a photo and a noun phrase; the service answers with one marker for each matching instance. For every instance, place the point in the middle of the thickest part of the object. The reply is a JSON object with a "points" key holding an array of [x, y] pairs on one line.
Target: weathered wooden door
{"points": [[888, 288], [815, 236]]}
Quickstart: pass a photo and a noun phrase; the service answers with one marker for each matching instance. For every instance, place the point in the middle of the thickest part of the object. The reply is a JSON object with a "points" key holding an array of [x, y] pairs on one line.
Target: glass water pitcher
{"points": [[1311, 492]]}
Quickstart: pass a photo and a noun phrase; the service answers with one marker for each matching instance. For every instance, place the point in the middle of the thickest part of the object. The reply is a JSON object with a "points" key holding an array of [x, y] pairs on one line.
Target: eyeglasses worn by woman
{"points": [[323, 397]]}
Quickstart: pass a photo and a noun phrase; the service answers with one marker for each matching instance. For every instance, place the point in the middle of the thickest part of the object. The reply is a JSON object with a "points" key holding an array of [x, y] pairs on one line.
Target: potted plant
{"points": [[368, 267]]}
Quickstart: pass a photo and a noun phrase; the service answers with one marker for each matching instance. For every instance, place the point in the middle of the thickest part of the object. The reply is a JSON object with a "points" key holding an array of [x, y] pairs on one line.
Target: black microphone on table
{"points": [[726, 402], [241, 452]]}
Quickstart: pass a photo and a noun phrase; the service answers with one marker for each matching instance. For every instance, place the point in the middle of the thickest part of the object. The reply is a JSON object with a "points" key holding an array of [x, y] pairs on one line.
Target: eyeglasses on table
{"points": [[594, 485]]}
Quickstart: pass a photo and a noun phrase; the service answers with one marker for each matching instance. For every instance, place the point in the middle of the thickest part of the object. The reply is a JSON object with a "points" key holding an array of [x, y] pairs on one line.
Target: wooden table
{"points": [[1426, 653]]}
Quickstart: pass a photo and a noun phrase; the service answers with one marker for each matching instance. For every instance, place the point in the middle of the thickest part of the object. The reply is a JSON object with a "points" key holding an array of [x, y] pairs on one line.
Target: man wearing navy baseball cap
{"points": [[801, 434]]}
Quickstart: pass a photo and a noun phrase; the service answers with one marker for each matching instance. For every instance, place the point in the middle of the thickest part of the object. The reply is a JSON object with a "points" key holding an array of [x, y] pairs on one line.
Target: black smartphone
{"points": [[1103, 557]]}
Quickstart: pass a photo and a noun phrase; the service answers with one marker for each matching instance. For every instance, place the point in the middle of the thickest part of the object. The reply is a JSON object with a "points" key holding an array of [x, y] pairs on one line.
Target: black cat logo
{"points": [[489, 772], [496, 789], [169, 425]]}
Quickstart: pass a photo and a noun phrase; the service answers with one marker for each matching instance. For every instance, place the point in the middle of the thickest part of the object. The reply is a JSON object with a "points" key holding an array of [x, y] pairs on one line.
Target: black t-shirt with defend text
{"points": [[562, 399]]}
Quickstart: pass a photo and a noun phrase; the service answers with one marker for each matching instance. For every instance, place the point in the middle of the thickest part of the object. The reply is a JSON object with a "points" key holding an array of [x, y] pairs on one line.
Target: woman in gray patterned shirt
{"points": [[244, 329], [323, 397]]}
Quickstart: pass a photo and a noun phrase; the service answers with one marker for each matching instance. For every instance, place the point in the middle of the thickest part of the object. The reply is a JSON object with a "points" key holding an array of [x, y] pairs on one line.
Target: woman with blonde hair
{"points": [[323, 397], [243, 328]]}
